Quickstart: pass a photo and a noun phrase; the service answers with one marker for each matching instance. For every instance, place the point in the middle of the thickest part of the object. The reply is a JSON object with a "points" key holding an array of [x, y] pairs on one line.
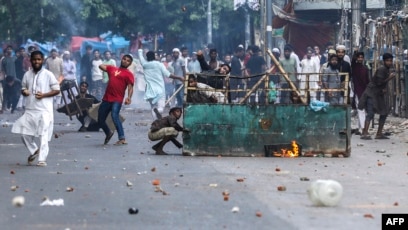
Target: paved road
{"points": [[192, 197]]}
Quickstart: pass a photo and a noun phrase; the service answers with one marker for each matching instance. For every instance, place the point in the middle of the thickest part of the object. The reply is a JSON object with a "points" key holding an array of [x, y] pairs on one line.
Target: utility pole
{"points": [[356, 23], [269, 16], [247, 26], [209, 23]]}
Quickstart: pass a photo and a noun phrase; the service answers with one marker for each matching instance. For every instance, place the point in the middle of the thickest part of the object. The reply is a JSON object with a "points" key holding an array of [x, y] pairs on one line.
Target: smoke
{"points": [[75, 27]]}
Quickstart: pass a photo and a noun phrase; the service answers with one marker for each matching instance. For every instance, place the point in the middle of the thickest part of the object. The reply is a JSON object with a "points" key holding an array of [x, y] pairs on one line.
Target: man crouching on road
{"points": [[166, 129]]}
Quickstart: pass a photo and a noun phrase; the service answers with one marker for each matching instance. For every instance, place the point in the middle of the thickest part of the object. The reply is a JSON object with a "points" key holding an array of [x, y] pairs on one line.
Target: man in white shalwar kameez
{"points": [[154, 73], [39, 86], [309, 66]]}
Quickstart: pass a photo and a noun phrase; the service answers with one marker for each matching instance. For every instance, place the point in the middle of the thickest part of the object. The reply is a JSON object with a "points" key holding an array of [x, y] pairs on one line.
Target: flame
{"points": [[294, 152]]}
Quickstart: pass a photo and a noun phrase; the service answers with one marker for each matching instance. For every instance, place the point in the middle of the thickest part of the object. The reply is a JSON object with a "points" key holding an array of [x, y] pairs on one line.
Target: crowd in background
{"points": [[247, 67]]}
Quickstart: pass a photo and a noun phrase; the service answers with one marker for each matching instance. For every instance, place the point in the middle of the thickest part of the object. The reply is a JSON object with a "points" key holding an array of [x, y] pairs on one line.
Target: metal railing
{"points": [[267, 87]]}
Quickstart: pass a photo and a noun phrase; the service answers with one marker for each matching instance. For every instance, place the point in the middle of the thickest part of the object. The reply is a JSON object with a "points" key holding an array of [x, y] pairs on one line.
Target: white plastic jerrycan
{"points": [[325, 192]]}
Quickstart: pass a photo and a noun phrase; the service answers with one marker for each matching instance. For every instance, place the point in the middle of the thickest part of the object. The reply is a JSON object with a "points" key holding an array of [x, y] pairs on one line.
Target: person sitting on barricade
{"points": [[202, 93], [213, 78]]}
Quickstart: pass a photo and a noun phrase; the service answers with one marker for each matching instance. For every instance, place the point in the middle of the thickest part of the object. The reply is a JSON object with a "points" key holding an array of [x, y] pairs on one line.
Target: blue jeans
{"points": [[103, 112]]}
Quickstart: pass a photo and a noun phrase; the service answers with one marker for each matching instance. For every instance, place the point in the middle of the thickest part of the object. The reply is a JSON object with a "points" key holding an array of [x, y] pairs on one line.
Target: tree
{"points": [[180, 21]]}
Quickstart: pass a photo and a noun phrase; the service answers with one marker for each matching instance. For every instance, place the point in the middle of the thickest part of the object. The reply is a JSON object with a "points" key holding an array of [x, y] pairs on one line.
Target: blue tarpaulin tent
{"points": [[45, 48], [119, 43], [101, 46]]}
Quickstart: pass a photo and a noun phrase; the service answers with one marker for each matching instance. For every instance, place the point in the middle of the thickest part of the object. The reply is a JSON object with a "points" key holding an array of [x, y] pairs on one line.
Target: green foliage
{"points": [[179, 20]]}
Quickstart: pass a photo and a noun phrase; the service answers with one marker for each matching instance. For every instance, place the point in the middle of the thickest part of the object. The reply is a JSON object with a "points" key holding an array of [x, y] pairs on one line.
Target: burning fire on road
{"points": [[283, 150]]}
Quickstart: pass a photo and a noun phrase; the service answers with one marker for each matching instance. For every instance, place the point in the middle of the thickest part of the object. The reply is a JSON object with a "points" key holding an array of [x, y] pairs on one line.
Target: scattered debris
{"points": [[48, 202], [140, 173], [277, 169], [235, 209], [129, 184], [153, 169], [213, 185], [396, 204], [59, 172], [176, 184], [14, 188], [281, 188], [380, 151], [226, 194], [304, 179], [159, 189], [240, 179], [12, 172], [87, 136], [133, 211], [18, 201], [258, 214], [69, 189], [86, 168], [156, 182], [379, 163], [368, 215], [360, 144]]}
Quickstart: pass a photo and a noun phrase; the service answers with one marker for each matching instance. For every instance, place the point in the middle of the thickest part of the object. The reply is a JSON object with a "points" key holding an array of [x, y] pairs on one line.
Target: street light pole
{"points": [[247, 26], [209, 23], [356, 23], [269, 16]]}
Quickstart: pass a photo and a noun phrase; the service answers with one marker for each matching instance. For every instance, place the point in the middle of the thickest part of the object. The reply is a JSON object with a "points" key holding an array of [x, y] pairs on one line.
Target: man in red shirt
{"points": [[119, 79]]}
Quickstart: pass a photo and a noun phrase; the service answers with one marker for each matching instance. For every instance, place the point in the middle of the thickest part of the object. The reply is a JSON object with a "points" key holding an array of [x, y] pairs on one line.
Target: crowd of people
{"points": [[33, 83]]}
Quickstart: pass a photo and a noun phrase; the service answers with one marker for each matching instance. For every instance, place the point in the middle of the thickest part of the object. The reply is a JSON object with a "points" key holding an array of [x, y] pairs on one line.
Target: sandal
{"points": [[42, 164], [32, 157], [108, 137], [365, 137], [382, 137], [120, 142]]}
